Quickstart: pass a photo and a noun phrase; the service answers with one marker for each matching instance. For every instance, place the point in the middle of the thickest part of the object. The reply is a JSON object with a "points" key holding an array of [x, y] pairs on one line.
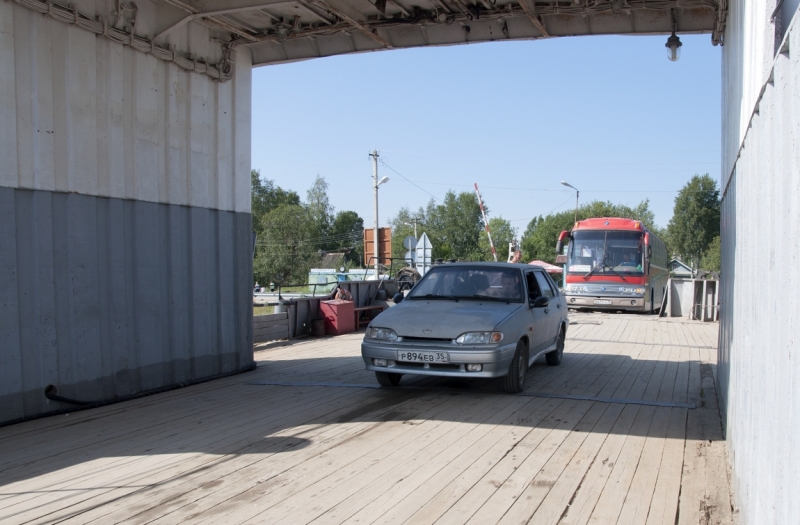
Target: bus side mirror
{"points": [[398, 297], [648, 251], [560, 244]]}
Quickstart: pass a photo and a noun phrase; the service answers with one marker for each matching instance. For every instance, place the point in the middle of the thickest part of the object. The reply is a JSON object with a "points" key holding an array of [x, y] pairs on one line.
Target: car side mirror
{"points": [[540, 302], [398, 297]]}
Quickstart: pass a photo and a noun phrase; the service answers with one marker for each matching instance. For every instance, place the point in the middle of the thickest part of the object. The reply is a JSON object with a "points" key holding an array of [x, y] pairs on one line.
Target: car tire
{"points": [[514, 382], [388, 378], [554, 358]]}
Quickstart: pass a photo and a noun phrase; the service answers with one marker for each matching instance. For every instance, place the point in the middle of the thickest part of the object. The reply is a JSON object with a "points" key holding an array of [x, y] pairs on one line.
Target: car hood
{"points": [[443, 319]]}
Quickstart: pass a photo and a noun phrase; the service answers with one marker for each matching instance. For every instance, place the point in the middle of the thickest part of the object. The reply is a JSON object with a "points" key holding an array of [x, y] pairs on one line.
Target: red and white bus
{"points": [[613, 264]]}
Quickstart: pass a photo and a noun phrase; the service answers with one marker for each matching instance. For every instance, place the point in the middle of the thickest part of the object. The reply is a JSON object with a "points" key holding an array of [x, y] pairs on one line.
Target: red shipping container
{"points": [[339, 316]]}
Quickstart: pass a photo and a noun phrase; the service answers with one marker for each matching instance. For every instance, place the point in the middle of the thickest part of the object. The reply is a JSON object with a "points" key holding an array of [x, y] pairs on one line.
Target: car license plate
{"points": [[602, 301], [424, 357]]}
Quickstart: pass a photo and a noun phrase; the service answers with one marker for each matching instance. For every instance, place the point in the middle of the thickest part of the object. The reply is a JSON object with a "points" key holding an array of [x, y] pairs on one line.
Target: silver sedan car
{"points": [[470, 320]]}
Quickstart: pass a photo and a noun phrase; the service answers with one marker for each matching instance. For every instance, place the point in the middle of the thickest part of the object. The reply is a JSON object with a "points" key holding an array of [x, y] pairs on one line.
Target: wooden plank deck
{"points": [[626, 430]]}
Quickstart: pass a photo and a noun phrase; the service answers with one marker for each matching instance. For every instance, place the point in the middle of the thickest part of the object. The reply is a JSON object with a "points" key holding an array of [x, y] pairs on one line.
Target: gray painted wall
{"points": [[106, 297], [759, 363]]}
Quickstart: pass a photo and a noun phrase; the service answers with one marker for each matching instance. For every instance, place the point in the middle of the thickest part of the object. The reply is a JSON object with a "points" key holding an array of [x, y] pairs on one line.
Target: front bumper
{"points": [[617, 303], [496, 360]]}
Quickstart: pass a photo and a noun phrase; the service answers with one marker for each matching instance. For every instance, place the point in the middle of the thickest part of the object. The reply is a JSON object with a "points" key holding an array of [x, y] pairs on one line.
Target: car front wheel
{"points": [[515, 380], [388, 378]]}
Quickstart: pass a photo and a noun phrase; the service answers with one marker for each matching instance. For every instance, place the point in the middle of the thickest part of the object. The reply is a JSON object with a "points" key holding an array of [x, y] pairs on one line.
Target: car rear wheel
{"points": [[388, 378], [515, 380], [554, 358]]}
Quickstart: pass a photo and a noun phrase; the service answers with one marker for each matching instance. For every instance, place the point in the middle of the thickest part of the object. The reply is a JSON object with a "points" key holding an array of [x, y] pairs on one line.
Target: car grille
{"points": [[431, 366], [427, 339]]}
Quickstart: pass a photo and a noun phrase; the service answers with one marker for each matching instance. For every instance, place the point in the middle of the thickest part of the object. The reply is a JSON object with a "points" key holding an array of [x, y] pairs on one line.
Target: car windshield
{"points": [[469, 282], [605, 252]]}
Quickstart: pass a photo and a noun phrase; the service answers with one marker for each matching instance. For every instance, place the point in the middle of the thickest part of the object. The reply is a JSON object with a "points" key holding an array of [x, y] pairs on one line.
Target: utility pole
{"points": [[374, 156], [415, 219], [375, 184]]}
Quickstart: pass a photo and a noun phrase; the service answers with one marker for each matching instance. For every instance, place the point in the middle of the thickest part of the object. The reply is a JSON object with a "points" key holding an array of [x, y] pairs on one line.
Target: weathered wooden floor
{"points": [[609, 440]]}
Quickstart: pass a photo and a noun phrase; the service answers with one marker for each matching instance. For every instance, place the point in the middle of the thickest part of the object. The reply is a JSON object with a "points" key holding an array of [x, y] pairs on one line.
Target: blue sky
{"points": [[610, 115]]}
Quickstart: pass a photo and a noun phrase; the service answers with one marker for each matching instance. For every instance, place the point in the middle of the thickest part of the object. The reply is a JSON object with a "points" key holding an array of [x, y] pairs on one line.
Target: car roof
{"points": [[498, 265]]}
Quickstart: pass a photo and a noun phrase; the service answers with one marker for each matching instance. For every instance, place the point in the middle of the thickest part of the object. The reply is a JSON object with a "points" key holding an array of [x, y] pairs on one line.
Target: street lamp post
{"points": [[375, 184], [577, 193], [415, 219]]}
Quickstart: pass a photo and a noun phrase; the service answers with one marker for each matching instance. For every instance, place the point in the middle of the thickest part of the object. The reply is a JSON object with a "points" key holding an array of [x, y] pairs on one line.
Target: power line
{"points": [[409, 181], [563, 191], [317, 240]]}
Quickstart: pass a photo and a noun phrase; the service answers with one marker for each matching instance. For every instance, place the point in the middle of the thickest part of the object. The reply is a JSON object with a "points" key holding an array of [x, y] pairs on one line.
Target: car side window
{"points": [[544, 285], [553, 284], [533, 286]]}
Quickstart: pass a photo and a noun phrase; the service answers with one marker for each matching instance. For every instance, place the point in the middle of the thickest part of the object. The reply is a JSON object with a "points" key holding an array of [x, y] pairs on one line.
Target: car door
{"points": [[538, 330], [562, 308], [553, 311]]}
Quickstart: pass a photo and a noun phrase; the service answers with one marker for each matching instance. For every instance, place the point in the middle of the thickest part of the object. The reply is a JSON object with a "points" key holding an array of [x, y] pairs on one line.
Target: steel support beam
{"points": [[534, 18], [350, 19]]}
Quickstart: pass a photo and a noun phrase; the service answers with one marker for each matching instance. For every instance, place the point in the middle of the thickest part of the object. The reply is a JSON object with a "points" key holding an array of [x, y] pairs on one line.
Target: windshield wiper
{"points": [[434, 296], [491, 298], [616, 273], [602, 265]]}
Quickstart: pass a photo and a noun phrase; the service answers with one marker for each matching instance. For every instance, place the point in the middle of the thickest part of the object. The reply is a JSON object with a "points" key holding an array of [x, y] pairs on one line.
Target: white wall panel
{"points": [[85, 115], [8, 95], [241, 139], [759, 356], [746, 64]]}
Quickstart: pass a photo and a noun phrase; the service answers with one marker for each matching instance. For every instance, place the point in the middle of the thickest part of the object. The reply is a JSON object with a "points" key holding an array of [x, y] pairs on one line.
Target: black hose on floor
{"points": [[51, 393]]}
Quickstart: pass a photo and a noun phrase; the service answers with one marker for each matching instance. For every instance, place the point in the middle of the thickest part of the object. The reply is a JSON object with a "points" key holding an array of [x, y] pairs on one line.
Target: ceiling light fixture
{"points": [[674, 43]]}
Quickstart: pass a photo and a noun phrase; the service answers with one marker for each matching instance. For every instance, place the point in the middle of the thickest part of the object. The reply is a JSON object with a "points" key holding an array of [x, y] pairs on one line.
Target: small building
{"points": [[680, 270]]}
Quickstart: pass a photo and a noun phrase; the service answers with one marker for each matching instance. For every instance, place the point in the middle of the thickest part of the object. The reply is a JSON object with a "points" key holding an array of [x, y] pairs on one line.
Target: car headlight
{"points": [[479, 338], [383, 334]]}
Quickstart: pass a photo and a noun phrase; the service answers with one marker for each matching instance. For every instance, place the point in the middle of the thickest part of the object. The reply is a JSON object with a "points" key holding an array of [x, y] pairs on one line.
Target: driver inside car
{"points": [[509, 286]]}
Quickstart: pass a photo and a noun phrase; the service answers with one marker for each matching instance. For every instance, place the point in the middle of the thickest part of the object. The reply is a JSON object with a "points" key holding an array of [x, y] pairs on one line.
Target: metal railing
{"points": [[391, 271]]}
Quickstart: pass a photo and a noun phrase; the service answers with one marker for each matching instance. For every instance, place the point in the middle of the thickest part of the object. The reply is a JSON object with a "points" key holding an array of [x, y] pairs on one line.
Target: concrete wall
{"points": [[759, 364], [124, 213]]}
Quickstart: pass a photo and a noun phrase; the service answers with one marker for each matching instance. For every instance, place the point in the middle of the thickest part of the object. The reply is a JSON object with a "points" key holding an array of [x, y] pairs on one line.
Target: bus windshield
{"points": [[606, 252]]}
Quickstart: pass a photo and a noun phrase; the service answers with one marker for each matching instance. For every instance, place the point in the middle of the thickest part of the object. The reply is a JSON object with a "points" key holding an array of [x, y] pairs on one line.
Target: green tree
{"points": [[403, 226], [265, 197], [712, 258], [695, 219], [539, 239], [502, 234], [286, 251], [319, 208], [455, 227], [346, 234]]}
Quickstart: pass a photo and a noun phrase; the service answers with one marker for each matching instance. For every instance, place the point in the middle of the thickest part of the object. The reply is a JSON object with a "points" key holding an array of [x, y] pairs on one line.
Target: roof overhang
{"points": [[290, 30]]}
